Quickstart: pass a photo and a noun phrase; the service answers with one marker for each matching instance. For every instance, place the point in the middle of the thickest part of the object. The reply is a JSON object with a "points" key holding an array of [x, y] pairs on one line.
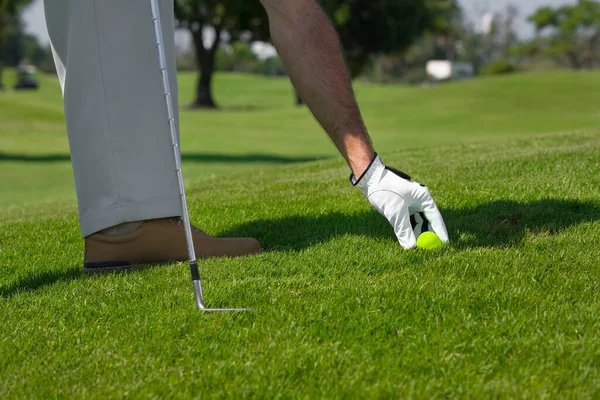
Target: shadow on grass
{"points": [[231, 108], [504, 223], [16, 157], [191, 157], [38, 281], [246, 158], [496, 224], [33, 283]]}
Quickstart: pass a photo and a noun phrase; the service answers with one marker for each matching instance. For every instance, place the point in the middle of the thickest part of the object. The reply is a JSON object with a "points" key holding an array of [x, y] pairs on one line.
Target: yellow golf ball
{"points": [[429, 241]]}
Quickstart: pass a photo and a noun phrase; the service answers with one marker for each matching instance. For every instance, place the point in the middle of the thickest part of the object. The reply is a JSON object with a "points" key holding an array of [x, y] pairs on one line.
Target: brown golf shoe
{"points": [[157, 241]]}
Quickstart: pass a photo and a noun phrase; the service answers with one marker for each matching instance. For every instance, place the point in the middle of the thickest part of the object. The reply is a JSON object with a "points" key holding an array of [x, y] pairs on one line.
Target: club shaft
{"points": [[162, 60], [197, 285]]}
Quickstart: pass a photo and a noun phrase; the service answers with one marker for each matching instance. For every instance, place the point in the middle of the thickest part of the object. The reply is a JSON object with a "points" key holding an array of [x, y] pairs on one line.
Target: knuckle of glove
{"points": [[387, 203]]}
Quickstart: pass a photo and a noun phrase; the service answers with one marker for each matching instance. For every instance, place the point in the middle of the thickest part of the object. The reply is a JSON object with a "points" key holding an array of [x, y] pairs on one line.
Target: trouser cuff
{"points": [[163, 207]]}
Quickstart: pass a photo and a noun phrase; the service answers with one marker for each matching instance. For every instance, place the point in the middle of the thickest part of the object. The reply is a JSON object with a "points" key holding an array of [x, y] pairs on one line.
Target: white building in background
{"points": [[263, 50], [442, 70], [487, 23]]}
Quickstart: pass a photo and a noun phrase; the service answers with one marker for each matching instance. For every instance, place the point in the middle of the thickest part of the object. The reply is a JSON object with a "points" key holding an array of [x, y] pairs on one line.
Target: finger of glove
{"points": [[395, 209], [404, 231], [433, 215]]}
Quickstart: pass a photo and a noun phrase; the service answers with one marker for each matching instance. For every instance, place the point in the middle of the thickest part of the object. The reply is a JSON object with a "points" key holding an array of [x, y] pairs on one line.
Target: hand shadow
{"points": [[504, 223], [495, 224]]}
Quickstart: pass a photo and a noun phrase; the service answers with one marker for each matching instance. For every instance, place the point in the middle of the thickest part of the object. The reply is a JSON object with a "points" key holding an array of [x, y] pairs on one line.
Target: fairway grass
{"points": [[508, 310], [258, 127]]}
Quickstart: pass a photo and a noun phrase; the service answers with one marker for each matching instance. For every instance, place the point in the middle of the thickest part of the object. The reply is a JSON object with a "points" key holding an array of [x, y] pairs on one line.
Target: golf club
{"points": [[162, 61]]}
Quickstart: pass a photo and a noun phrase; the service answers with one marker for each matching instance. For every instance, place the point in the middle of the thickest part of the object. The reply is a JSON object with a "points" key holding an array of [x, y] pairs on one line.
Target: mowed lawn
{"points": [[258, 127], [508, 310]]}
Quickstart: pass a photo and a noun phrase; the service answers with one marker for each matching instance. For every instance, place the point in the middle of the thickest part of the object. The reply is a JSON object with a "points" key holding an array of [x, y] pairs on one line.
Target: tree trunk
{"points": [[574, 60], [204, 98], [205, 61]]}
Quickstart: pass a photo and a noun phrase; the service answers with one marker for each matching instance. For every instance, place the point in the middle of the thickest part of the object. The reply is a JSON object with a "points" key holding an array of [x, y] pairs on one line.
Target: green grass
{"points": [[508, 310], [259, 128]]}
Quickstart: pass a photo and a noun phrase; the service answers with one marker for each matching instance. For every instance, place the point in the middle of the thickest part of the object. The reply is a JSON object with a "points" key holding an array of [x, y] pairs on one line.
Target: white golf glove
{"points": [[406, 204]]}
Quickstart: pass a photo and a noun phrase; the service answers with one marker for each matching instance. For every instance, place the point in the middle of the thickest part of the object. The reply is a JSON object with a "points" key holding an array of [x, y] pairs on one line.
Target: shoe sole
{"points": [[96, 267], [110, 266]]}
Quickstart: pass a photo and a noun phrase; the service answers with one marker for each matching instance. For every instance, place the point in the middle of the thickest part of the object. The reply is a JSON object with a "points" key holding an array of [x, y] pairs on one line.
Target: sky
{"points": [[474, 9]]}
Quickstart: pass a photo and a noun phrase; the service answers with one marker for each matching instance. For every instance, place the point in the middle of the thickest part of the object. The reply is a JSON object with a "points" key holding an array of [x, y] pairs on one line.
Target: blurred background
{"points": [[426, 73], [393, 41]]}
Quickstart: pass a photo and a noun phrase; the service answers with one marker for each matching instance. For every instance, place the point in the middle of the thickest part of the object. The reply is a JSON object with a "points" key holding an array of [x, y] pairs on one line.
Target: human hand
{"points": [[406, 204]]}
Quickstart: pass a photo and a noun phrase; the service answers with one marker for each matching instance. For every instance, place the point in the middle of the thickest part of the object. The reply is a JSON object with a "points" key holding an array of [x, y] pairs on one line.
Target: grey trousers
{"points": [[117, 123]]}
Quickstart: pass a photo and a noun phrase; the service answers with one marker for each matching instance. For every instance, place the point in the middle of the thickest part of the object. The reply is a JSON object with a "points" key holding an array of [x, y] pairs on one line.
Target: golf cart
{"points": [[26, 78]]}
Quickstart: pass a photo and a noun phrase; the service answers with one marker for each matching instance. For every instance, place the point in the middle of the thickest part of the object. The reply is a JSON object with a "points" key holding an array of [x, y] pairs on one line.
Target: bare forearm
{"points": [[310, 49]]}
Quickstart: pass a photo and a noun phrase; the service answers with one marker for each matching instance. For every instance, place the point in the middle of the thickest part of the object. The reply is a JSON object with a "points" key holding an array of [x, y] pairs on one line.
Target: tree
{"points": [[571, 32], [232, 18], [494, 43], [9, 22], [372, 27], [368, 28]]}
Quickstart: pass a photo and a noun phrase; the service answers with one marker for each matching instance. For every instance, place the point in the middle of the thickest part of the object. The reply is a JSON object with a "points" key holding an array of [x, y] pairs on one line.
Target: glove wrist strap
{"points": [[368, 171]]}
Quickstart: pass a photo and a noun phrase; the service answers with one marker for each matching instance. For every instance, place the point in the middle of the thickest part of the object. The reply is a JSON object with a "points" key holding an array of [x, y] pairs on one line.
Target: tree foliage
{"points": [[371, 27], [366, 28], [570, 31], [9, 24], [9, 11], [453, 38]]}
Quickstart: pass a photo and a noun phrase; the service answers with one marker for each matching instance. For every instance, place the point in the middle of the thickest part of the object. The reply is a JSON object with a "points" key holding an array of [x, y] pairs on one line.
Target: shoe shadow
{"points": [[499, 223], [39, 280]]}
